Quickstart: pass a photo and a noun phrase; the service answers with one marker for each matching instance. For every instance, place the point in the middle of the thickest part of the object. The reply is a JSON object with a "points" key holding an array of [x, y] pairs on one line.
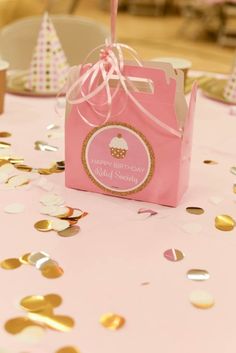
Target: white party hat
{"points": [[49, 67], [230, 87]]}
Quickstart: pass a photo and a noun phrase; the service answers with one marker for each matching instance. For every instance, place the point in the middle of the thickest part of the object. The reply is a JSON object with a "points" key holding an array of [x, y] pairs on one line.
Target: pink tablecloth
{"points": [[117, 249]]}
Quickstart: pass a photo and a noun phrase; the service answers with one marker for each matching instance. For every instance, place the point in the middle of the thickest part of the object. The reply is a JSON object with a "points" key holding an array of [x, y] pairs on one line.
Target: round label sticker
{"points": [[118, 158]]}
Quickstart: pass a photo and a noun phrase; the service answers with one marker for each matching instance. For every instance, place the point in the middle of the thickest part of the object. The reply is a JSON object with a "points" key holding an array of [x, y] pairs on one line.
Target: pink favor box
{"points": [[131, 155]]}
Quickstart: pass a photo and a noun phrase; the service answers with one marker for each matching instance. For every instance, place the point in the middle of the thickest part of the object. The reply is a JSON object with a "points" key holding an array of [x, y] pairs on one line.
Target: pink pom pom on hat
{"points": [[49, 67]]}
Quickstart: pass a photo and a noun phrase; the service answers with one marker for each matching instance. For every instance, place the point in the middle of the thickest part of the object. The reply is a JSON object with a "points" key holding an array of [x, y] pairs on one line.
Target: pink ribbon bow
{"points": [[92, 79]]}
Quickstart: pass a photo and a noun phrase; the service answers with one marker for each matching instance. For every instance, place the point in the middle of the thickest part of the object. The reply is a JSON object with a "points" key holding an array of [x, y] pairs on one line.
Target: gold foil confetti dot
{"points": [[44, 146], [34, 303], [61, 165], [16, 325], [234, 188], [4, 134], [10, 264], [24, 259], [53, 299], [14, 208], [16, 160], [198, 275], [36, 257], [201, 299], [56, 322], [68, 349], [32, 334], [174, 255], [43, 226], [208, 161], [195, 210], [3, 162], [112, 321], [69, 232], [4, 145], [233, 170], [59, 225], [224, 223], [23, 167], [51, 270]]}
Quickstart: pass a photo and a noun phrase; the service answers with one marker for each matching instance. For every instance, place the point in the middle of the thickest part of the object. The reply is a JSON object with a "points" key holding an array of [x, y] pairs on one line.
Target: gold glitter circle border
{"points": [[150, 150]]}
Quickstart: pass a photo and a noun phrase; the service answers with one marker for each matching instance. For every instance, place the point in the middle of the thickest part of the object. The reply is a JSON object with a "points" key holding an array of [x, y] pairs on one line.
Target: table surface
{"points": [[118, 249]]}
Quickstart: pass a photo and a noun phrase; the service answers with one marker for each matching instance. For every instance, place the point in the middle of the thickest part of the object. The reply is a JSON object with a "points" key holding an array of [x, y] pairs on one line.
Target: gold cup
{"points": [[3, 74]]}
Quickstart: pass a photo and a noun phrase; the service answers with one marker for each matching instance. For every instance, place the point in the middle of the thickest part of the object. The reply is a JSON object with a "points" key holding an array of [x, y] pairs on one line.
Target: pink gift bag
{"points": [[128, 128]]}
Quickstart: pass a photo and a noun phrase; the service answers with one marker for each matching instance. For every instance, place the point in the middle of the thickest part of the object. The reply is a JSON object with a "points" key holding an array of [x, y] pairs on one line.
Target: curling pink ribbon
{"points": [[92, 79]]}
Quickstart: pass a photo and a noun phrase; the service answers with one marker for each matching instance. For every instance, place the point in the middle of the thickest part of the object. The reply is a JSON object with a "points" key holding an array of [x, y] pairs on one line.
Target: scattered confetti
{"points": [[4, 145], [192, 228], [201, 299], [17, 181], [51, 199], [40, 260], [54, 211], [14, 208], [44, 225], [233, 170], [69, 232], [148, 211], [216, 200], [16, 325], [51, 270], [195, 210], [68, 349], [10, 264], [234, 188], [224, 223], [208, 161], [44, 146], [112, 321], [198, 275], [4, 134], [53, 127], [40, 313], [174, 255]]}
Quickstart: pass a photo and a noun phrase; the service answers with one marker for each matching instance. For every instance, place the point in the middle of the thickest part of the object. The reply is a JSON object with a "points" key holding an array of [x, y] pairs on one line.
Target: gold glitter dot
{"points": [[4, 134], [112, 321], [68, 349], [224, 223], [10, 264], [208, 161], [43, 226], [195, 210], [34, 303]]}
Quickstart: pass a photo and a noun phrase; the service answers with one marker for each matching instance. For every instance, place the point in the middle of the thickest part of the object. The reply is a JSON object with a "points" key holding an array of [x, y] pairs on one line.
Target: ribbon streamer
{"points": [[94, 79]]}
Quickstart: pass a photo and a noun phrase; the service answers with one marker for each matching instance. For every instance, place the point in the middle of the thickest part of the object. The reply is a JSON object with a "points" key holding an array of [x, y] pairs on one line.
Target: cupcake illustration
{"points": [[118, 147]]}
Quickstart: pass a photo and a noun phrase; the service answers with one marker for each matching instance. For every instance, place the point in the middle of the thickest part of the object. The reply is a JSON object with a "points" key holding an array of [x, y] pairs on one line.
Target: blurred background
{"points": [[203, 31]]}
